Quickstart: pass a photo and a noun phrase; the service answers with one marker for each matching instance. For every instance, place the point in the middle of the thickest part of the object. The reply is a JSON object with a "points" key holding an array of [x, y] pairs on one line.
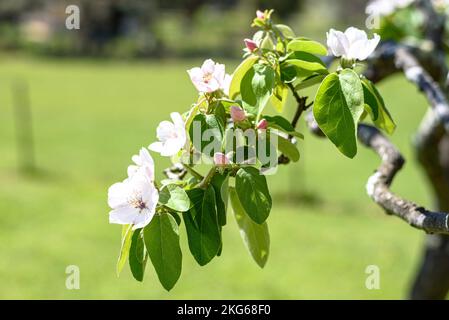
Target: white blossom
{"points": [[210, 77], [353, 44], [134, 200], [172, 136], [142, 160]]}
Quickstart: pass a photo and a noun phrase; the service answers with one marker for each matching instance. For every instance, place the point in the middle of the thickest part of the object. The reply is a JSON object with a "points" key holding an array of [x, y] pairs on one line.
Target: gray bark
{"points": [[432, 147]]}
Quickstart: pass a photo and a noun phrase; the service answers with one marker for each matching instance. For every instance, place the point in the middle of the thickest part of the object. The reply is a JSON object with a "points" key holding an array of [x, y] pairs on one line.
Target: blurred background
{"points": [[76, 104]]}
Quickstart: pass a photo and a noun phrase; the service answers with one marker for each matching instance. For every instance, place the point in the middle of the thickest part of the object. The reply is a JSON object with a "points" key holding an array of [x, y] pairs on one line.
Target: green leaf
{"points": [[220, 117], [202, 226], [287, 32], [281, 122], [289, 73], [213, 125], [137, 256], [338, 106], [196, 197], [174, 197], [249, 99], [220, 182], [371, 103], [307, 45], [279, 97], [310, 81], [383, 120], [127, 234], [255, 236], [306, 65], [262, 85], [307, 61], [288, 148], [267, 42], [161, 238], [239, 73], [253, 193]]}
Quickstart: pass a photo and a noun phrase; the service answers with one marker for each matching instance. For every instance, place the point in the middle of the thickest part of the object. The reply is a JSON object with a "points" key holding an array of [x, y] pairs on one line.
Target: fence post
{"points": [[23, 124]]}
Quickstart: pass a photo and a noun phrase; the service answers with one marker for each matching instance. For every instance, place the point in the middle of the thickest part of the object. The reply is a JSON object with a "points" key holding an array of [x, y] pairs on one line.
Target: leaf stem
{"points": [[193, 172], [206, 181]]}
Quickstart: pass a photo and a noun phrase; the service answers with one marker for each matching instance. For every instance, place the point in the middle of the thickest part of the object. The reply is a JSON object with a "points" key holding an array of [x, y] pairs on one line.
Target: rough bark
{"points": [[378, 186], [428, 71], [432, 148]]}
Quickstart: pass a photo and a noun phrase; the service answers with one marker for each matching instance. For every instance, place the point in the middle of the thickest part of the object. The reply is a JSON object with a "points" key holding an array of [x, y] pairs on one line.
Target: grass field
{"points": [[90, 117]]}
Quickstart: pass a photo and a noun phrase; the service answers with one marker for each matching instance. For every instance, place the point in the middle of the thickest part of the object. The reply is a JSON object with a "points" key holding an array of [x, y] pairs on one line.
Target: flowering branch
{"points": [[230, 131]]}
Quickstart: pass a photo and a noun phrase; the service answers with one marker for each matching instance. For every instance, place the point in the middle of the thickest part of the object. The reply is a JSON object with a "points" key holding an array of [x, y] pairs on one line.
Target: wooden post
{"points": [[23, 125]]}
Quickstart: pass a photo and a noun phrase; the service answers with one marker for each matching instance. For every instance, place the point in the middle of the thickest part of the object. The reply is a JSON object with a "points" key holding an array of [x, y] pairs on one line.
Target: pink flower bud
{"points": [[237, 114], [263, 124], [251, 45], [220, 159], [260, 14]]}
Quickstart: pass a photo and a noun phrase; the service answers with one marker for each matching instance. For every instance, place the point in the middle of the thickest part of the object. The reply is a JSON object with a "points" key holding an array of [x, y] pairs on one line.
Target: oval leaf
{"points": [[127, 234], [370, 101], [220, 183], [338, 106], [286, 30], [279, 97], [310, 81], [262, 84], [137, 256], [288, 148], [174, 197], [239, 73], [308, 46], [280, 122], [255, 236], [306, 61], [383, 120], [161, 238], [253, 193], [201, 221]]}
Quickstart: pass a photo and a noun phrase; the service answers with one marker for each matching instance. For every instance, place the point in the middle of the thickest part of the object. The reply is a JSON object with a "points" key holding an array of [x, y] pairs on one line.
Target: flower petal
{"points": [[124, 215], [143, 219], [165, 130], [361, 50], [337, 43], [177, 120], [208, 66], [118, 195], [354, 35], [156, 147], [171, 147]]}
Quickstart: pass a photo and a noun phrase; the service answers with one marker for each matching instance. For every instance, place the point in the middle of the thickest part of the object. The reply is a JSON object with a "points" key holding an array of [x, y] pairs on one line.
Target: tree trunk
{"points": [[432, 280]]}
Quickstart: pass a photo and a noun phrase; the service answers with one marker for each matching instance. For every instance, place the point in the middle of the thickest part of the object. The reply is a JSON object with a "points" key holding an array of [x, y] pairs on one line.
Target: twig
{"points": [[302, 106]]}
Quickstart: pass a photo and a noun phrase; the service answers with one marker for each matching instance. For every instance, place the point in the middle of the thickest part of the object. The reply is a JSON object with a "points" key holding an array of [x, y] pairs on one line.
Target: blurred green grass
{"points": [[91, 116]]}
